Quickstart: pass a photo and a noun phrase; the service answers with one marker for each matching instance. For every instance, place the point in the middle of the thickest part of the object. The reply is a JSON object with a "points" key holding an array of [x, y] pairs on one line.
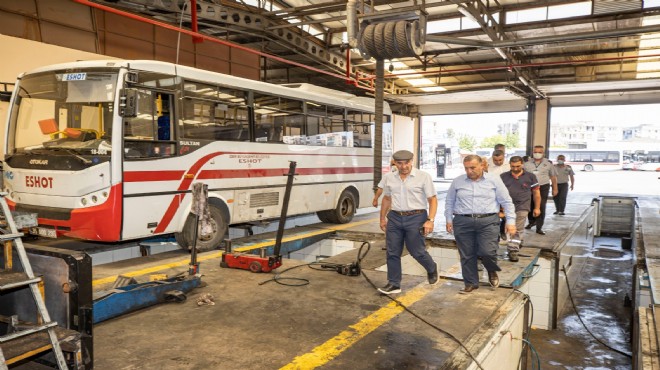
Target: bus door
{"points": [[150, 174]]}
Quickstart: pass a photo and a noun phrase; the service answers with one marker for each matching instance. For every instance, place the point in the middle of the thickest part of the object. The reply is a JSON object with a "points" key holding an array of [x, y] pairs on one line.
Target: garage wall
{"points": [[404, 133], [79, 27]]}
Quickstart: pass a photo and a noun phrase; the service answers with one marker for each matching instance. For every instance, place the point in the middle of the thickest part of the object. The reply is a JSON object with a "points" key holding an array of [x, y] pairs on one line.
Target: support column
{"points": [[538, 125]]}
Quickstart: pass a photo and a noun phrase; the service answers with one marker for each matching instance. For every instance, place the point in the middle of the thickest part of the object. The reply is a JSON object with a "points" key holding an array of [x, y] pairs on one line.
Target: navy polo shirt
{"points": [[520, 189]]}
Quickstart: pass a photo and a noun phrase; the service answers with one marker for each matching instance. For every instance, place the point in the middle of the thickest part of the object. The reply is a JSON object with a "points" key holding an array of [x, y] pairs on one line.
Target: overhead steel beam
{"points": [[211, 12], [545, 39]]}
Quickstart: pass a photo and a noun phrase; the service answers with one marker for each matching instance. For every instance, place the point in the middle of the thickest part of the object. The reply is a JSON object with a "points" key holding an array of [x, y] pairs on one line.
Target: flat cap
{"points": [[402, 155]]}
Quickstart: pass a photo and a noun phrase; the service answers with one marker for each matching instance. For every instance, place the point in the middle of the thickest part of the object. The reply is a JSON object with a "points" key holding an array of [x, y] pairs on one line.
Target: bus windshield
{"points": [[64, 110]]}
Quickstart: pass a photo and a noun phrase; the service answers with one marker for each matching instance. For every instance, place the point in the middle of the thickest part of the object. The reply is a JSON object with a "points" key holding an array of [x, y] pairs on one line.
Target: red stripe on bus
{"points": [[185, 184], [277, 172], [140, 176], [192, 173]]}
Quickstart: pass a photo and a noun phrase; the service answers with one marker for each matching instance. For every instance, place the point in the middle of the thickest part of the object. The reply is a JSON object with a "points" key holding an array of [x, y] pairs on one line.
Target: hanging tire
{"points": [[210, 242], [343, 212]]}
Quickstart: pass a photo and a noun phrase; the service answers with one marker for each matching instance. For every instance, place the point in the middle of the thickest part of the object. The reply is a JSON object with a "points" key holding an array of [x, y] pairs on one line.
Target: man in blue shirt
{"points": [[403, 216], [471, 211]]}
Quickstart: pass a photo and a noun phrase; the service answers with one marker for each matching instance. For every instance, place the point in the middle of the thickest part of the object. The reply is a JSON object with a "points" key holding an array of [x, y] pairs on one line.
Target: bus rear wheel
{"points": [[343, 212], [219, 229], [588, 168]]}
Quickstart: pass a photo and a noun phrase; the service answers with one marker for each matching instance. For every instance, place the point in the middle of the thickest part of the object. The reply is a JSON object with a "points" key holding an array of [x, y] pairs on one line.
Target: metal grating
{"points": [[617, 216], [616, 6], [264, 199]]}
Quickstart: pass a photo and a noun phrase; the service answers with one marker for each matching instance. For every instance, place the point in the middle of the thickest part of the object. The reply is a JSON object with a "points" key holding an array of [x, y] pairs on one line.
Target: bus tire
{"points": [[213, 241], [343, 212], [588, 168]]}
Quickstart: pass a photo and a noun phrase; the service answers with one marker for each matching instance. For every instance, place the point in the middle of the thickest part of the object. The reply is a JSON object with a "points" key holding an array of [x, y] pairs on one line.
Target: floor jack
{"points": [[127, 295], [262, 263]]}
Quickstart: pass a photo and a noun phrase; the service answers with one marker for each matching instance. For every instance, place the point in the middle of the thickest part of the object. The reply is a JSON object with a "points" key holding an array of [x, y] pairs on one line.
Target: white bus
{"points": [[109, 150], [590, 159]]}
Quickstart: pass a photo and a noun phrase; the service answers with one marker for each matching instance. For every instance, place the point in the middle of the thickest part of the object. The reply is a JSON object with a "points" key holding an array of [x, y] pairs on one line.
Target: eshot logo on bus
{"points": [[39, 182], [74, 76]]}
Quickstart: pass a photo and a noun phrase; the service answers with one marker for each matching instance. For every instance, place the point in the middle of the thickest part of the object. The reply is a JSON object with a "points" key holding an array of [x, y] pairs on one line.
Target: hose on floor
{"points": [[362, 252], [352, 269], [526, 340], [534, 354], [405, 308], [568, 286]]}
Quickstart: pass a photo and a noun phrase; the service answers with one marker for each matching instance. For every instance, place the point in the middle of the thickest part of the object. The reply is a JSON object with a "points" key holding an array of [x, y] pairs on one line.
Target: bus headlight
{"points": [[94, 199], [83, 201]]}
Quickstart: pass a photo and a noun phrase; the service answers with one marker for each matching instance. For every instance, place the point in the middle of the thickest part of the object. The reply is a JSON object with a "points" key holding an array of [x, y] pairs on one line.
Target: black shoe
{"points": [[468, 289], [555, 212], [529, 226], [540, 232], [390, 289], [493, 279], [561, 213], [433, 276]]}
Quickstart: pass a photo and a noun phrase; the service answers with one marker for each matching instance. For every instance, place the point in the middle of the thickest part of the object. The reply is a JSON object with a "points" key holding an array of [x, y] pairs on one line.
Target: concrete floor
{"points": [[338, 321], [335, 321]]}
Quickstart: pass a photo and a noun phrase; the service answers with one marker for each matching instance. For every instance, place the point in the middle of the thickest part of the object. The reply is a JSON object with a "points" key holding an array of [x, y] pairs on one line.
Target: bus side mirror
{"points": [[128, 103]]}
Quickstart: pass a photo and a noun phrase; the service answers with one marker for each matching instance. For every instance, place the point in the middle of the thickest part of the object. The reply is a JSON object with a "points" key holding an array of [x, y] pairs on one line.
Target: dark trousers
{"points": [[475, 237], [560, 199], [538, 221], [405, 229]]}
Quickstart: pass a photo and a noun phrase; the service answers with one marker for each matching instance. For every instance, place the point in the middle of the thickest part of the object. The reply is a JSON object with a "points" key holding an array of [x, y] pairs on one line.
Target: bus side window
{"points": [[149, 134]]}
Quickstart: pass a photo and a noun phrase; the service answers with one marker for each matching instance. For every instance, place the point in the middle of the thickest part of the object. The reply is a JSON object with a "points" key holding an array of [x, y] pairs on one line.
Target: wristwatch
{"points": [[430, 219]]}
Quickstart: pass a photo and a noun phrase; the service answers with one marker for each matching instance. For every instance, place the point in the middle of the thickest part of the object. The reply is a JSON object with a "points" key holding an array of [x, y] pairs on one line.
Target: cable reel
{"points": [[392, 39]]}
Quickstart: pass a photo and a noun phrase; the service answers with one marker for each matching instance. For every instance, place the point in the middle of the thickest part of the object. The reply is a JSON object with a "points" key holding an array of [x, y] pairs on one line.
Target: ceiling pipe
{"points": [[218, 41], [352, 23], [193, 19]]}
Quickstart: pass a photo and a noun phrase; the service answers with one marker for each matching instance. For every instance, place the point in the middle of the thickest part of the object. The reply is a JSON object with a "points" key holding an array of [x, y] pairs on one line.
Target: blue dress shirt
{"points": [[485, 195]]}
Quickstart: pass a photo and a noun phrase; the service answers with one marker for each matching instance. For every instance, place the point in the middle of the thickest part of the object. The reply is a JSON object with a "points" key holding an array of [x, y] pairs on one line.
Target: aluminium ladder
{"points": [[13, 280]]}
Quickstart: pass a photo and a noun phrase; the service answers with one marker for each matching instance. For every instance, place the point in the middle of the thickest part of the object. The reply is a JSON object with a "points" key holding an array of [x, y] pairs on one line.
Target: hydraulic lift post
{"points": [[260, 263]]}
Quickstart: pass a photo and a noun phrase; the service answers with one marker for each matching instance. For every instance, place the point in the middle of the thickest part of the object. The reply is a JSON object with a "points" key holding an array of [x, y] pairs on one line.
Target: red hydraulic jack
{"points": [[262, 263]]}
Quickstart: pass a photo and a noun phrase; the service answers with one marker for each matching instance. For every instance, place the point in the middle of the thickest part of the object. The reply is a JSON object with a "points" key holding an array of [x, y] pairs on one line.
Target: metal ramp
{"points": [[23, 340]]}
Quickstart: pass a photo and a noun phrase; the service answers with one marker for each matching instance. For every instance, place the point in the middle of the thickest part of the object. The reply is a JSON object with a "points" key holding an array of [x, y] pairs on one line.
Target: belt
{"points": [[409, 213], [476, 215]]}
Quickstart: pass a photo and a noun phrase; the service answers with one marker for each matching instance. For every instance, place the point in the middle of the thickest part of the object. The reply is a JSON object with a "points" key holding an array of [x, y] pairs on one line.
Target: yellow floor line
{"points": [[206, 257], [327, 351]]}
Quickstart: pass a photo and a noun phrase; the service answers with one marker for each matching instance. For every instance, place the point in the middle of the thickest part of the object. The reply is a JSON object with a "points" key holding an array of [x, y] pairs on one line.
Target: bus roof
{"points": [[300, 91]]}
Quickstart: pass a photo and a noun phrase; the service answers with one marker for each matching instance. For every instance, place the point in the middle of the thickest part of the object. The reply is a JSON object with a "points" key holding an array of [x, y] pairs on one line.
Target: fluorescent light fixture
{"points": [[501, 53], [523, 80], [419, 82], [433, 89]]}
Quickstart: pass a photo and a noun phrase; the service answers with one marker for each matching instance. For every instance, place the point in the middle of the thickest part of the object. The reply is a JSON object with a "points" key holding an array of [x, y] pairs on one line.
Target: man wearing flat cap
{"points": [[407, 194]]}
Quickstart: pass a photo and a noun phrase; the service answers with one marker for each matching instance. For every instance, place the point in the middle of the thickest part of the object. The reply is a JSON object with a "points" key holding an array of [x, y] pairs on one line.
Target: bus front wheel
{"points": [[209, 242], [343, 212], [588, 168]]}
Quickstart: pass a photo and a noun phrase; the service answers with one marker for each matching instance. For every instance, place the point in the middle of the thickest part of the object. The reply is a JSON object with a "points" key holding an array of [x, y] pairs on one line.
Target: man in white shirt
{"points": [[497, 165], [407, 214]]}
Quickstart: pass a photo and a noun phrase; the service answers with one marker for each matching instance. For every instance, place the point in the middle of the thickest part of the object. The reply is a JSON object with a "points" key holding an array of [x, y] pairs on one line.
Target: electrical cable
{"points": [[178, 38], [563, 269], [529, 325], [320, 266], [446, 333], [362, 252], [535, 353], [535, 270]]}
